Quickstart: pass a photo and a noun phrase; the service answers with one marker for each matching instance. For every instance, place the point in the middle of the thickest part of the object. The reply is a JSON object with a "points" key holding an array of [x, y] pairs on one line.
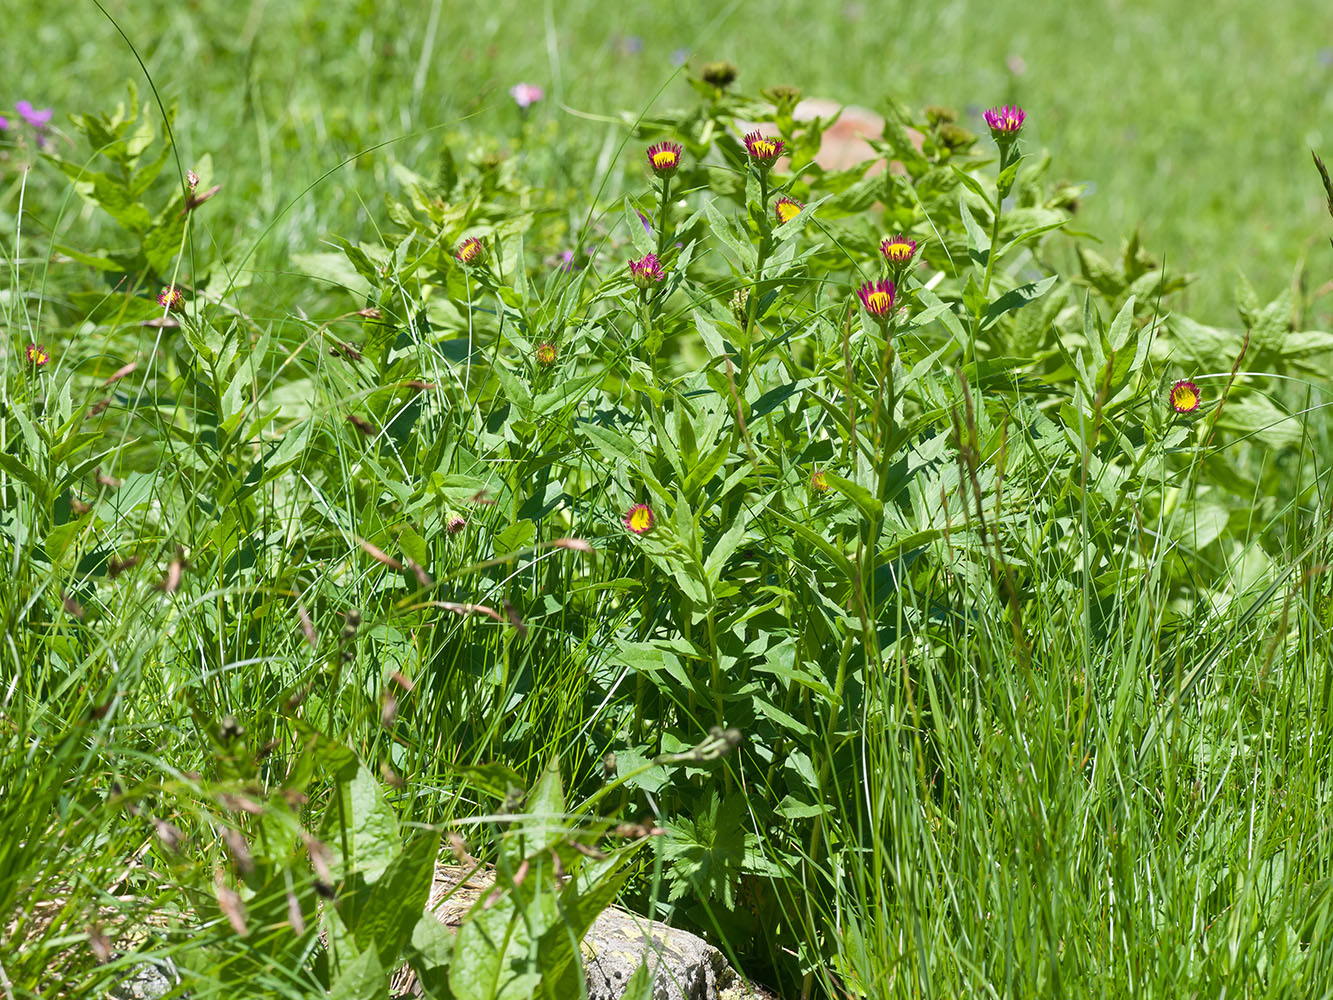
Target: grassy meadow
{"points": [[912, 582]]}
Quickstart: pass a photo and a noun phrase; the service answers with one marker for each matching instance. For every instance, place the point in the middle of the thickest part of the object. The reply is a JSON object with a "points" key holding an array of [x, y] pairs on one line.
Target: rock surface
{"points": [[146, 982], [685, 967]]}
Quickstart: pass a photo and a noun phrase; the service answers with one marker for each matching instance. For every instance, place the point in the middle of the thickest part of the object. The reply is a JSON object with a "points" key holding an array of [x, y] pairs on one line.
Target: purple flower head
{"points": [[525, 95], [1005, 122], [898, 250], [647, 271], [567, 262], [680, 57], [763, 149], [471, 251], [664, 158], [37, 119], [878, 298], [647, 221]]}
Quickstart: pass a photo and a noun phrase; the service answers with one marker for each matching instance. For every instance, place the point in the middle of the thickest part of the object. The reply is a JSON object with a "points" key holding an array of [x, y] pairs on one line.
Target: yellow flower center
{"points": [[640, 520], [898, 251], [664, 159], [878, 302], [788, 210], [819, 482], [765, 149], [1184, 397]]}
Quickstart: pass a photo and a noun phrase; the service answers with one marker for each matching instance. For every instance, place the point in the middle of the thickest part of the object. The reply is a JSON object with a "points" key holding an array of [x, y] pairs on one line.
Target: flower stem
{"points": [[995, 226], [752, 305], [662, 218]]}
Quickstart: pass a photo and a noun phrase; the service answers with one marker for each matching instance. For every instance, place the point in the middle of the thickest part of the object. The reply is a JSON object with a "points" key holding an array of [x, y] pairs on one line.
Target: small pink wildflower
{"points": [[525, 95]]}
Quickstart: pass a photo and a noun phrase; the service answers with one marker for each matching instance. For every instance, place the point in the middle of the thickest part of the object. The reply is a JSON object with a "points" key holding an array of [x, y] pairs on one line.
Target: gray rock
{"points": [[684, 967], [146, 982]]}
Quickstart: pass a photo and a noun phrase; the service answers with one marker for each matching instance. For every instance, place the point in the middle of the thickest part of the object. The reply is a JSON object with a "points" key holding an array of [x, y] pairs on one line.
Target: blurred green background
{"points": [[1191, 121]]}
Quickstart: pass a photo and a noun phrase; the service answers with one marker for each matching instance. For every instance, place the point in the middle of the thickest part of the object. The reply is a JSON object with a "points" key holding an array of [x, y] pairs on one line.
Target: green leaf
{"points": [[414, 546], [730, 541], [938, 309], [495, 956], [613, 443], [387, 910], [643, 241], [1028, 234], [431, 952], [359, 818], [581, 902], [706, 853], [978, 243], [515, 538], [1273, 323], [775, 397], [514, 389], [545, 821], [788, 230], [865, 501], [972, 184], [721, 228], [363, 978], [1017, 298]]}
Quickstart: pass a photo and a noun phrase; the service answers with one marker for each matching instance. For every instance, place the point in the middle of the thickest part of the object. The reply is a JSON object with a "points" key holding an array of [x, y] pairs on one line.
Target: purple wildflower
{"points": [[878, 298], [763, 149], [37, 119], [1006, 122], [647, 271]]}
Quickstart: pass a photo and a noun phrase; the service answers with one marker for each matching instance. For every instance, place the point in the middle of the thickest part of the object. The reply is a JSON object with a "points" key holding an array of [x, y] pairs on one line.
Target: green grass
{"points": [[1033, 702]]}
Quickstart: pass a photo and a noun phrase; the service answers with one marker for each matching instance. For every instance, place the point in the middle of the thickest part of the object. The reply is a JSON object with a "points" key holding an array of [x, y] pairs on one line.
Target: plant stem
{"points": [[662, 218], [995, 225], [752, 304]]}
